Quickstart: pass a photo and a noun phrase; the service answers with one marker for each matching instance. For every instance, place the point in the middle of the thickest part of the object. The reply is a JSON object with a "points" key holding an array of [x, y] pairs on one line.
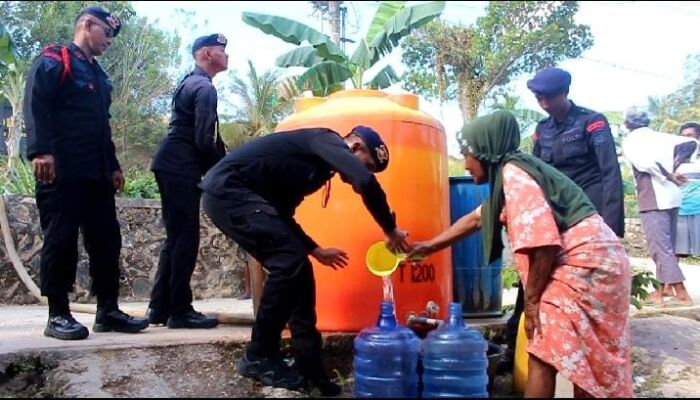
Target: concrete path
{"points": [[690, 271], [22, 329]]}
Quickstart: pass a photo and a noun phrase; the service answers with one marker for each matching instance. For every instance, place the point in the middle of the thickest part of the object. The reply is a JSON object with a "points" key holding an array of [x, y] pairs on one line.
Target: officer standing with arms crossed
{"points": [[578, 142], [69, 140], [192, 146]]}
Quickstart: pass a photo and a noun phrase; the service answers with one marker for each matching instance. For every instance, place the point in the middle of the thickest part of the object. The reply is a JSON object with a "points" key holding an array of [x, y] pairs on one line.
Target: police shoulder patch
{"points": [[53, 52], [595, 126]]}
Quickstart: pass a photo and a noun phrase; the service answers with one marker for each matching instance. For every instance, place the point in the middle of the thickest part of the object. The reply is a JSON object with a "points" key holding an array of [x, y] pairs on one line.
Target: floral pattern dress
{"points": [[584, 310]]}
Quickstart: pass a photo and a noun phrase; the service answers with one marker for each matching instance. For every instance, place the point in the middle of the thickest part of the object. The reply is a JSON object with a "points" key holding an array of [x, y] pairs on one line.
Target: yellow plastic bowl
{"points": [[383, 262]]}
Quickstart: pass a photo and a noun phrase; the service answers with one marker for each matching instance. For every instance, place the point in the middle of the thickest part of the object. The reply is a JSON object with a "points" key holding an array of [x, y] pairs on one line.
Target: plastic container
{"points": [[416, 185], [386, 359], [454, 360], [521, 358], [477, 285]]}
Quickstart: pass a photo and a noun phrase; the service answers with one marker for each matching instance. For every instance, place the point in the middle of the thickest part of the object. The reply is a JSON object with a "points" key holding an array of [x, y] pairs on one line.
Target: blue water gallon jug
{"points": [[386, 359], [454, 359]]}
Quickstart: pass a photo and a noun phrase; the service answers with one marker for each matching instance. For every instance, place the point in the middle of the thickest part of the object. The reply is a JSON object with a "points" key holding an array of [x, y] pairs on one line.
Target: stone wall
{"points": [[219, 265]]}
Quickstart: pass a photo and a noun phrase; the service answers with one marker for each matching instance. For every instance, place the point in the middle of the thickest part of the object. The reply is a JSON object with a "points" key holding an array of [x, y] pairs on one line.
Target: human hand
{"points": [[331, 257], [118, 181], [396, 241], [679, 179], [532, 320], [44, 168], [422, 249]]}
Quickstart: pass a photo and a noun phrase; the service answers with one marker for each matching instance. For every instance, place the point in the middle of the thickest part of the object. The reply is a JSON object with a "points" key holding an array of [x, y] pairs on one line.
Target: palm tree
{"points": [[265, 99]]}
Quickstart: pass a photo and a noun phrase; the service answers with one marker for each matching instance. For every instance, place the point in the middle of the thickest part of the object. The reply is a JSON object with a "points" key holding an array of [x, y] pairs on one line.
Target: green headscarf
{"points": [[494, 140]]}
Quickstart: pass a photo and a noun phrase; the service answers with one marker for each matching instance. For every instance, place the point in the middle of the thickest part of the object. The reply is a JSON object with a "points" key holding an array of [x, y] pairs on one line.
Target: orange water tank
{"points": [[416, 184]]}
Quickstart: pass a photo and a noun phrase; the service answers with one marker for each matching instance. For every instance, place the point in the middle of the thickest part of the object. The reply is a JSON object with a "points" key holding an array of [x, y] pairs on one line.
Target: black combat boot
{"points": [[65, 327], [270, 371], [110, 319], [192, 320]]}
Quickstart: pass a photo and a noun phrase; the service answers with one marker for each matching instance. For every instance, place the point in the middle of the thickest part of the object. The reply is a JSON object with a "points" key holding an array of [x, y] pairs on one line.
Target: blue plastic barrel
{"points": [[386, 359], [477, 285], [454, 360]]}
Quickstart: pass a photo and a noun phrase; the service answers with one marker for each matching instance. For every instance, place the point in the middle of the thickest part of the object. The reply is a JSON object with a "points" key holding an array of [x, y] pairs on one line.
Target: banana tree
{"points": [[328, 67], [12, 89], [8, 51]]}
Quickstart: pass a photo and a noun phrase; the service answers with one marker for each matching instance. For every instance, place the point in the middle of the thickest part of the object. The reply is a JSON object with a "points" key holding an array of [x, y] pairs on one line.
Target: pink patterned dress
{"points": [[584, 310]]}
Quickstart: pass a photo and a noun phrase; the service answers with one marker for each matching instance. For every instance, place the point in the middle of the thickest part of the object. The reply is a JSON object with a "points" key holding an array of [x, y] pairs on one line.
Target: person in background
{"points": [[655, 158], [688, 233], [192, 146], [573, 266]]}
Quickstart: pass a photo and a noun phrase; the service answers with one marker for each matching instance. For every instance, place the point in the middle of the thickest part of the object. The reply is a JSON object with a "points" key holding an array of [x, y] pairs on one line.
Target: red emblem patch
{"points": [[595, 126]]}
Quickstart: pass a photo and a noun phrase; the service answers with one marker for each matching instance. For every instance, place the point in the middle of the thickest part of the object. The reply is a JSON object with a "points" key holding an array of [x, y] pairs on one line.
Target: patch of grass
{"points": [[631, 206], [650, 388], [695, 260]]}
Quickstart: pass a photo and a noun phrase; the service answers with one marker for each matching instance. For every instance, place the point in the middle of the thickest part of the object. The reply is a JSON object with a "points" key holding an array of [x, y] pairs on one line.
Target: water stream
{"points": [[388, 289]]}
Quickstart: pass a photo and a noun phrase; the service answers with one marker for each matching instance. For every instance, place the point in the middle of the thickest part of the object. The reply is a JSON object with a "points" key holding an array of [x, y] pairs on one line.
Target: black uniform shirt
{"points": [[66, 110], [193, 144], [285, 167], [583, 148]]}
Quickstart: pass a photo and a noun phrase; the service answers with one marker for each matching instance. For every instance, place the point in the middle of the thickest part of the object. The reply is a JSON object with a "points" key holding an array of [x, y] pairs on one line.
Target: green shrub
{"points": [[510, 277], [140, 185], [18, 181], [641, 280]]}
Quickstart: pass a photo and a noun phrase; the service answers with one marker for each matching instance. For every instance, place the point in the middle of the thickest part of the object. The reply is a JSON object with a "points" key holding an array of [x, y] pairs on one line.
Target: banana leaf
{"points": [[384, 78], [401, 25], [8, 50], [294, 32], [299, 57], [386, 11], [324, 77]]}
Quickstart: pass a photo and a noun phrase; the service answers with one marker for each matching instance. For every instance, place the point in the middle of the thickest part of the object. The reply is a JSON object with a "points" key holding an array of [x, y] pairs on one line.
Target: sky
{"points": [[639, 47]]}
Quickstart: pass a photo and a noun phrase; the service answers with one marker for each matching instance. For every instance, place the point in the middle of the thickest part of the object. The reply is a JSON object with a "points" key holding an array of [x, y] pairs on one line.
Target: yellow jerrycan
{"points": [[521, 358]]}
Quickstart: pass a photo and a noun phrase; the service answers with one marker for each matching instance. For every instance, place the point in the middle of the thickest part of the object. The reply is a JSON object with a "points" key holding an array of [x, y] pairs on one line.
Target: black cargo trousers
{"points": [[289, 294], [65, 208]]}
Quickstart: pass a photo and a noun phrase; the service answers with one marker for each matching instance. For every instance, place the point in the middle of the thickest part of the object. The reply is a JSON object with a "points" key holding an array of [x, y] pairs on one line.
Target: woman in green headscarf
{"points": [[575, 270]]}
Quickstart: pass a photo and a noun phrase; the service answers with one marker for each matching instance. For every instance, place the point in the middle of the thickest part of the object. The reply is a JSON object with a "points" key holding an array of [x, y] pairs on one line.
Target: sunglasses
{"points": [[109, 32]]}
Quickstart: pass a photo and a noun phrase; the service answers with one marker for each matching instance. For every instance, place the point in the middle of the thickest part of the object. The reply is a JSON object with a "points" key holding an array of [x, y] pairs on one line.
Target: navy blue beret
{"points": [[550, 81], [104, 16], [376, 146], [215, 39]]}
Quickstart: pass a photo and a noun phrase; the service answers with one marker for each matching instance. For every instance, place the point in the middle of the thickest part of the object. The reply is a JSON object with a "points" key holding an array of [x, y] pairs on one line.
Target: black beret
{"points": [[375, 145], [550, 81], [104, 16], [215, 39]]}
